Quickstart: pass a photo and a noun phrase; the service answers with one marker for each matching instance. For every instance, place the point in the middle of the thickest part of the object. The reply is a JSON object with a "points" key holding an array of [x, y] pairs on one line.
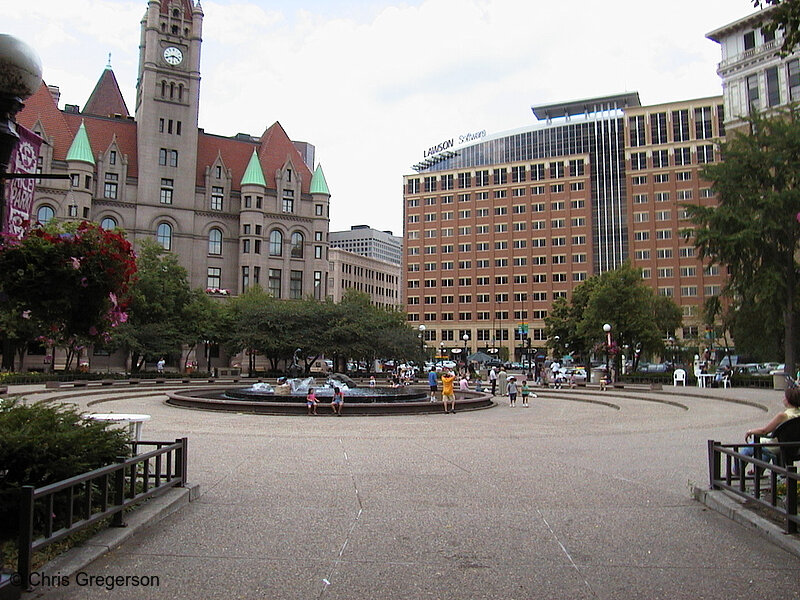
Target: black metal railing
{"points": [[770, 486], [53, 512]]}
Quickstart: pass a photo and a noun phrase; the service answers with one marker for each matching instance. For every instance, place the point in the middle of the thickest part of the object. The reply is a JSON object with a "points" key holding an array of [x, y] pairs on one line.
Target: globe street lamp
{"points": [[20, 77], [422, 340], [466, 339], [607, 329]]}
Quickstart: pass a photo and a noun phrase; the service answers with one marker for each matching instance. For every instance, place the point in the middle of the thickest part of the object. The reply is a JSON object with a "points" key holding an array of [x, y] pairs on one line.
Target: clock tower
{"points": [[167, 105]]}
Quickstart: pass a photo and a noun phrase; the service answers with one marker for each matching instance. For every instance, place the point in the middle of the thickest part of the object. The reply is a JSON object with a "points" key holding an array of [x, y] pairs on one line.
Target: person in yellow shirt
{"points": [[448, 395]]}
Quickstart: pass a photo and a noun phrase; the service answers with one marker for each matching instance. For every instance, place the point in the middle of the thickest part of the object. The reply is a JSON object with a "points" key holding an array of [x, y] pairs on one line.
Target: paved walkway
{"points": [[564, 499]]}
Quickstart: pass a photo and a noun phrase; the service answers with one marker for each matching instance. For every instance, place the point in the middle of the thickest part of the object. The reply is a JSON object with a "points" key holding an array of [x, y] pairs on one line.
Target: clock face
{"points": [[173, 56]]}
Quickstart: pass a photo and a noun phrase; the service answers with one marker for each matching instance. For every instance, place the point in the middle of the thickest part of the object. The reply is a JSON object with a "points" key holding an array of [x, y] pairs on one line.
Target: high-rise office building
{"points": [[498, 227]]}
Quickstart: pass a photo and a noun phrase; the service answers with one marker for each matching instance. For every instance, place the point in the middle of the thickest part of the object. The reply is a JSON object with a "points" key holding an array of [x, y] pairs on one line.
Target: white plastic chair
{"points": [[679, 376], [700, 381]]}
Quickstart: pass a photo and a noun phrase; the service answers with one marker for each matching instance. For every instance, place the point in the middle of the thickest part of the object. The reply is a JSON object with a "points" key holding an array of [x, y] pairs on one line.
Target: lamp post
{"points": [[465, 337], [607, 329], [20, 77], [421, 336], [441, 353]]}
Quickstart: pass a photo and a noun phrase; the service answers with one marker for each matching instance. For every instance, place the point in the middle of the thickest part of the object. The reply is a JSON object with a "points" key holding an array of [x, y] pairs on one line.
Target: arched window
{"points": [[297, 245], [275, 243], [164, 236], [215, 241], [45, 214], [108, 223]]}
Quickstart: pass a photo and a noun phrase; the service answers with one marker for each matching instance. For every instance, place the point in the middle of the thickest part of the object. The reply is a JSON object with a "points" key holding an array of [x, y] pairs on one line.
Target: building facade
{"points": [[236, 211], [498, 228], [379, 279], [755, 76], [369, 242]]}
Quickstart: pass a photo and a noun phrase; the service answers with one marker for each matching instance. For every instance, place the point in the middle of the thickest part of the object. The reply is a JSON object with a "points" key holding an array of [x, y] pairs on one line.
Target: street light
{"points": [[20, 77], [441, 353], [465, 337], [607, 329], [422, 340]]}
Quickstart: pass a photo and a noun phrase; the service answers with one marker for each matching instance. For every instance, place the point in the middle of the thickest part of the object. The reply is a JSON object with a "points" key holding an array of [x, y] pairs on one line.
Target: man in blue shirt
{"points": [[432, 380]]}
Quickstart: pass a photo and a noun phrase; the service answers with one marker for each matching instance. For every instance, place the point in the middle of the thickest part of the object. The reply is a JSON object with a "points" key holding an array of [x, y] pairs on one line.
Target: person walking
{"points": [[493, 380], [526, 392], [338, 401], [448, 394], [160, 365], [502, 379], [511, 386], [432, 382], [311, 401]]}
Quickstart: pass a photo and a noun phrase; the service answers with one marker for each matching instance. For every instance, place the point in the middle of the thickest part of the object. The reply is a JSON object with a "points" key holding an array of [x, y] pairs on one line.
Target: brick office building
{"points": [[496, 229]]}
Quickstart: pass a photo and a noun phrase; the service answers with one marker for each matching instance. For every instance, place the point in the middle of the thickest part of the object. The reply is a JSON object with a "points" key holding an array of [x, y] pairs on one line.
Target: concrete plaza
{"points": [[565, 499]]}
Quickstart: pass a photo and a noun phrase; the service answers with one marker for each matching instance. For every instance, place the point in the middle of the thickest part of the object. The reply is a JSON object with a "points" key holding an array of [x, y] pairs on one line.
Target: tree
{"points": [[754, 229], [639, 318], [785, 17], [159, 322], [67, 283]]}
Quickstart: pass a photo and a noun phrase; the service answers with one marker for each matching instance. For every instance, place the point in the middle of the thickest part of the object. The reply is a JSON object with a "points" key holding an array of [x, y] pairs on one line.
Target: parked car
{"points": [[493, 363]]}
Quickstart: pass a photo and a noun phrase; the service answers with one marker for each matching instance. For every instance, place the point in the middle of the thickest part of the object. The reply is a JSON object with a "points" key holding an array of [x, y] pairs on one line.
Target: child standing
{"points": [[526, 391], [311, 401], [511, 387]]}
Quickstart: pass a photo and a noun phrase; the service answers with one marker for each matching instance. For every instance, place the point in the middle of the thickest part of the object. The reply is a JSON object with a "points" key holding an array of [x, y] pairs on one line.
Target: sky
{"points": [[373, 83]]}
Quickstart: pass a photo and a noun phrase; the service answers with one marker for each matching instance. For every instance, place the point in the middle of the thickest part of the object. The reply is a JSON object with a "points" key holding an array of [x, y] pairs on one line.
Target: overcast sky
{"points": [[373, 83]]}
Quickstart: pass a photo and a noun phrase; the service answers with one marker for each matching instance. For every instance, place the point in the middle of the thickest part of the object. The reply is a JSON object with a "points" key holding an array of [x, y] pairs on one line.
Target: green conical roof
{"points": [[253, 175], [318, 183], [81, 149]]}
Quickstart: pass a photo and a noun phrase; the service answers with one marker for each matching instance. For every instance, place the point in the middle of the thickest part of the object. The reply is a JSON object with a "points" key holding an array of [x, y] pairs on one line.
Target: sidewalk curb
{"points": [[149, 513], [732, 508]]}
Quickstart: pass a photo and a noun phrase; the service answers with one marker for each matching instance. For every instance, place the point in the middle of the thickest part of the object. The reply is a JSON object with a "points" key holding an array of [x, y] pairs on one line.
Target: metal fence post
{"points": [[25, 536], [181, 459], [713, 464], [119, 493], [791, 498]]}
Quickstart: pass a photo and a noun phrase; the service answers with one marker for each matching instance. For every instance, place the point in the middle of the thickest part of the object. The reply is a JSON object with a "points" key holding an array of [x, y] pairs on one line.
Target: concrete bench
{"points": [[80, 383], [52, 385]]}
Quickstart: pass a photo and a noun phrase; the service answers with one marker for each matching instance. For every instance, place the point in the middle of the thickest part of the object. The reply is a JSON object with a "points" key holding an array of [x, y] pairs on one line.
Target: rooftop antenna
{"points": [[108, 64]]}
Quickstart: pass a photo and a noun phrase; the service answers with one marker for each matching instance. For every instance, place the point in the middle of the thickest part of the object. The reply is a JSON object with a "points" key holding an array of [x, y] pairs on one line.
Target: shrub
{"points": [[46, 442]]}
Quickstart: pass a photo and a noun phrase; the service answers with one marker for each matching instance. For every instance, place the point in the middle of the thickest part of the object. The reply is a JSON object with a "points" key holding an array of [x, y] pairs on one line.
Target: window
{"points": [[702, 123], [642, 255], [637, 130], [164, 236], [576, 167], [517, 174], [639, 180], [680, 125], [165, 196], [296, 245], [447, 182], [705, 154], [481, 178], [287, 201], [660, 159], [216, 197], [167, 157], [44, 214], [214, 277], [773, 89], [641, 217], [683, 156], [429, 184], [112, 157], [683, 176], [295, 285], [109, 189], [793, 79], [245, 278], [661, 178], [557, 169], [752, 93], [658, 128], [464, 180], [108, 223], [640, 198], [638, 161], [274, 282], [749, 40], [275, 243], [215, 242], [413, 186]]}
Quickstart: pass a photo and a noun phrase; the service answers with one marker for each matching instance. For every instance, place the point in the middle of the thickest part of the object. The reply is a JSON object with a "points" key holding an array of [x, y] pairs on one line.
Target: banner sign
{"points": [[19, 192]]}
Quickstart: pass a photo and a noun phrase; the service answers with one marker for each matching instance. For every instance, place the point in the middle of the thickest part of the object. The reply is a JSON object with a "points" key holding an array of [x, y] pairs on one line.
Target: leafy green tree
{"points": [[158, 323], [639, 318], [754, 229]]}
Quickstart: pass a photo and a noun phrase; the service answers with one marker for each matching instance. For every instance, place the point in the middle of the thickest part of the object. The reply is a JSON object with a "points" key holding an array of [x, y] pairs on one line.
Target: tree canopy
{"points": [[639, 318], [784, 17], [754, 229]]}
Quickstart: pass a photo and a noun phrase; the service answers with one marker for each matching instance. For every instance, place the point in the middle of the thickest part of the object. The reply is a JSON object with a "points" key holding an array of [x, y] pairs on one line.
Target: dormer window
{"points": [[289, 175], [112, 157], [219, 172]]}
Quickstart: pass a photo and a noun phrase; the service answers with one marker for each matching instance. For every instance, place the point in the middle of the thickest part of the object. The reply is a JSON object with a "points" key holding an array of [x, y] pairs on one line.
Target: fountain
{"points": [[288, 396]]}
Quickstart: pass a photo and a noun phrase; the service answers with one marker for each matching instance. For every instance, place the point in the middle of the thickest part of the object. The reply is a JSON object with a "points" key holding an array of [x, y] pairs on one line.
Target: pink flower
{"points": [[84, 282], [76, 262], [26, 314]]}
